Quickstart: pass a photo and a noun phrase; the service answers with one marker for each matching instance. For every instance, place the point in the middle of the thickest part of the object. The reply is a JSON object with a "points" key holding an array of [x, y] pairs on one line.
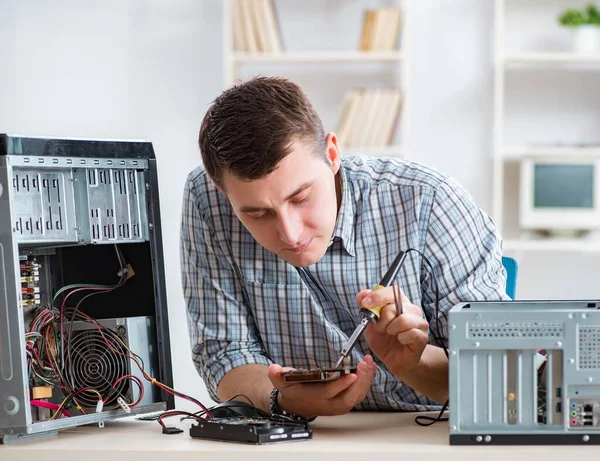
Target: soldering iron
{"points": [[371, 314]]}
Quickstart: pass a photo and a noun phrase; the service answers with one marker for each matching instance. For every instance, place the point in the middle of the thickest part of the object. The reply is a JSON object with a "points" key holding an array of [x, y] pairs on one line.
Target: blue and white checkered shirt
{"points": [[246, 305]]}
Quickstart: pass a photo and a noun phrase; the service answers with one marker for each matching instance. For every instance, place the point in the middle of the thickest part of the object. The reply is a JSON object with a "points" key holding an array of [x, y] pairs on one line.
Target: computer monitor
{"points": [[560, 196]]}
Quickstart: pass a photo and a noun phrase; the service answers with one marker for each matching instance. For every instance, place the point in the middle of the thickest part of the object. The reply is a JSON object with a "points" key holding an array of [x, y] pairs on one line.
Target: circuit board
{"points": [[316, 375]]}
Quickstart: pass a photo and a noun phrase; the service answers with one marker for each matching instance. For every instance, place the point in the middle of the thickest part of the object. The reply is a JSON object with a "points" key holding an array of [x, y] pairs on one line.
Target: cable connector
{"points": [[126, 271], [99, 406], [123, 405], [171, 430]]}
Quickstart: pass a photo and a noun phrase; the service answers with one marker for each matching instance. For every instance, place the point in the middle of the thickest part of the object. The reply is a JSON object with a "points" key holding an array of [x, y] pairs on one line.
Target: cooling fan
{"points": [[96, 360], [97, 357]]}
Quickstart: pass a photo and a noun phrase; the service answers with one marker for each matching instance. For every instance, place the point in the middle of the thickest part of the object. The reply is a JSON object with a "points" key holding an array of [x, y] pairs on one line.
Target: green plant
{"points": [[572, 17]]}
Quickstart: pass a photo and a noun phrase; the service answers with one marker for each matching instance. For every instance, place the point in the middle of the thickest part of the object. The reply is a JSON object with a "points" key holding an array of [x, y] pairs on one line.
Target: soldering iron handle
{"points": [[386, 281]]}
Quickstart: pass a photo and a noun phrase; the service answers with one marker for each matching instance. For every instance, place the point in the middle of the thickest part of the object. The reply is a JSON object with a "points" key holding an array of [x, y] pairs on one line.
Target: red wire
{"points": [[168, 414], [50, 406], [62, 307], [139, 381], [111, 347]]}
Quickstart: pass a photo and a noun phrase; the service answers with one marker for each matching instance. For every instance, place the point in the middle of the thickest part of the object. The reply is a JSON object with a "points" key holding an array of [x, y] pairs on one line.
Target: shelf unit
{"points": [[325, 56], [399, 60], [550, 58], [504, 154]]}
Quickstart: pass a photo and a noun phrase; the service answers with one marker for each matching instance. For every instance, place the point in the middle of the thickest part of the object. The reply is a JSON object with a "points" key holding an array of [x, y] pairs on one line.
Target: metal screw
{"points": [[586, 438], [488, 438], [453, 428], [10, 431], [453, 353], [453, 327], [584, 316], [590, 379], [558, 344], [478, 438], [571, 361], [150, 225], [570, 316], [147, 186], [476, 344]]}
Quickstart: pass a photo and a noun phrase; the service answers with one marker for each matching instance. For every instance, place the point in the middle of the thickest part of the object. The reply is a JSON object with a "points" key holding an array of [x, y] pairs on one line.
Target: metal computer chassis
{"points": [[524, 372]]}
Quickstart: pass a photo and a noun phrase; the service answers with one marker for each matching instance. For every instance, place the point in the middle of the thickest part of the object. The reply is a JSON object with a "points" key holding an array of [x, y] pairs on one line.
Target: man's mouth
{"points": [[300, 248]]}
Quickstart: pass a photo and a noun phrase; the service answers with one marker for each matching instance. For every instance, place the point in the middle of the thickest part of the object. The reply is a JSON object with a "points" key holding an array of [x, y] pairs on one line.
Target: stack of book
{"points": [[380, 29], [256, 27], [369, 117]]}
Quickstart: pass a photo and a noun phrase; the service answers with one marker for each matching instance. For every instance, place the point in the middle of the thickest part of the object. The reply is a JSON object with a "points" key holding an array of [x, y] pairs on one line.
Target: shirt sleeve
{"points": [[222, 330], [465, 249]]}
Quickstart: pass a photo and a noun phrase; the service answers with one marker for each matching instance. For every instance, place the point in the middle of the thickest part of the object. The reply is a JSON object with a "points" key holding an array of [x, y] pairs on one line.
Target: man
{"points": [[282, 238]]}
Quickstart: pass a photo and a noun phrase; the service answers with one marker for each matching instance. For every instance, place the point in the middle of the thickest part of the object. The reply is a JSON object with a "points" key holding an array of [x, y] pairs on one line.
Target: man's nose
{"points": [[289, 229]]}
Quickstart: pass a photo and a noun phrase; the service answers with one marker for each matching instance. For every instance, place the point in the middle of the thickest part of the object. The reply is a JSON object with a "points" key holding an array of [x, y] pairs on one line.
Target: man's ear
{"points": [[333, 151]]}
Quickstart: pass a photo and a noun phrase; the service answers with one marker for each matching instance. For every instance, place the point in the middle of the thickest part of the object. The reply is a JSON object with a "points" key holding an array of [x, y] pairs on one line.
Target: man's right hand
{"points": [[336, 397]]}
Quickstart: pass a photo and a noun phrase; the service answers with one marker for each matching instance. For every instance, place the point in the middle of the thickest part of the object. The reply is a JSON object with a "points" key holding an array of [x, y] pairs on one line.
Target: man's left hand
{"points": [[398, 340]]}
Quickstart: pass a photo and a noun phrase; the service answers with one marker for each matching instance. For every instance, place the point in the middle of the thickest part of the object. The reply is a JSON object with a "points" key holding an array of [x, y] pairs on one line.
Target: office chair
{"points": [[512, 270]]}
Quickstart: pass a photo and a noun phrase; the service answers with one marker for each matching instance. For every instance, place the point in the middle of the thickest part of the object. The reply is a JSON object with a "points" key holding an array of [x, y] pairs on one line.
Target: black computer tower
{"points": [[83, 312]]}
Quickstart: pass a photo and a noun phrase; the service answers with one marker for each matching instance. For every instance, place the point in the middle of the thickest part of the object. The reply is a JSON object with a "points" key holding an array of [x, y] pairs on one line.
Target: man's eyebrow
{"points": [[253, 209]]}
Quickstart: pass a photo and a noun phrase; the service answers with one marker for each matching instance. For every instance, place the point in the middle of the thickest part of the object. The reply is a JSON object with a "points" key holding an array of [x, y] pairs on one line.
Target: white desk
{"points": [[356, 436]]}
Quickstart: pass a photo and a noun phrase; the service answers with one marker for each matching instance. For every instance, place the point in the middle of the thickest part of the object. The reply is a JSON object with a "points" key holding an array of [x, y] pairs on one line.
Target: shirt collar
{"points": [[344, 225]]}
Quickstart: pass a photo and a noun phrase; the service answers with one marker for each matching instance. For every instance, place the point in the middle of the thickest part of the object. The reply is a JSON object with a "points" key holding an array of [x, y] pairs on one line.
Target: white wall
{"points": [[149, 68]]}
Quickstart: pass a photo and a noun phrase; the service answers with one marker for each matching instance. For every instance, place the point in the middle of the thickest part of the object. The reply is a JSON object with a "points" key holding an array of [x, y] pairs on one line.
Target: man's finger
{"points": [[321, 391], [386, 316], [358, 390], [406, 322], [413, 337], [276, 377], [361, 295], [378, 297], [383, 296], [413, 309]]}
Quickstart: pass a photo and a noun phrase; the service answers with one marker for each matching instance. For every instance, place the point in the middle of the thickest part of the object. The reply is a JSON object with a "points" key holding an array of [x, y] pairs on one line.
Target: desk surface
{"points": [[355, 436]]}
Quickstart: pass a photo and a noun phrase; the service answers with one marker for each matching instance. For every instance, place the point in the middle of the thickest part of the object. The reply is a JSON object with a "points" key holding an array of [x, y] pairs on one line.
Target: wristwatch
{"points": [[277, 411]]}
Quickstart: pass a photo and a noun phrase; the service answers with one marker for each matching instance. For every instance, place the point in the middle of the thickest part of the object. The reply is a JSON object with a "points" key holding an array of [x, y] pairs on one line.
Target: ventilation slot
{"points": [[44, 206], [589, 346], [117, 207], [515, 330]]}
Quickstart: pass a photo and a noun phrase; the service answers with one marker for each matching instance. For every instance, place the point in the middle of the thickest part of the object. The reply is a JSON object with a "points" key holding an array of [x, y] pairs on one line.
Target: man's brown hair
{"points": [[251, 126]]}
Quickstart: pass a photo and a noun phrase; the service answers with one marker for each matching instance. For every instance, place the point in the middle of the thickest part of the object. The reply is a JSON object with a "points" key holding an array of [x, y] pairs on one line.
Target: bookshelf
{"points": [[550, 58], [388, 53], [543, 56]]}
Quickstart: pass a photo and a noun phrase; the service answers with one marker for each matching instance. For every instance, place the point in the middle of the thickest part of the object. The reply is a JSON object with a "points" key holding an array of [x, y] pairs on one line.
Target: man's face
{"points": [[291, 212]]}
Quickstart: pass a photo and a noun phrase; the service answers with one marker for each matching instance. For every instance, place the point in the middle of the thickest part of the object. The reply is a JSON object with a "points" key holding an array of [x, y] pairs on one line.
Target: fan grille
{"points": [[98, 366]]}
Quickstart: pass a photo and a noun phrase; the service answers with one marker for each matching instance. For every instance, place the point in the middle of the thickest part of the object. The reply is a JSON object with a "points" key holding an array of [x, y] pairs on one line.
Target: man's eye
{"points": [[258, 217], [299, 201]]}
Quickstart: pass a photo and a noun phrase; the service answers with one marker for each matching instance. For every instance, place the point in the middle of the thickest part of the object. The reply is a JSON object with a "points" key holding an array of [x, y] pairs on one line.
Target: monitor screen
{"points": [[563, 186]]}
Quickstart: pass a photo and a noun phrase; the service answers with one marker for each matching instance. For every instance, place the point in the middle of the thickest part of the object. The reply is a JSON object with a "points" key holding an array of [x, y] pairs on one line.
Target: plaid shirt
{"points": [[246, 305]]}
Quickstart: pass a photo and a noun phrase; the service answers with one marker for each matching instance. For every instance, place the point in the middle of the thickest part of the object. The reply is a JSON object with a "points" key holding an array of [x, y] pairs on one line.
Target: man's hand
{"points": [[324, 399], [397, 340]]}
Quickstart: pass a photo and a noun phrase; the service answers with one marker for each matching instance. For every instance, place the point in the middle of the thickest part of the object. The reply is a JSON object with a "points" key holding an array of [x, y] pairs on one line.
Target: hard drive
{"points": [[251, 430]]}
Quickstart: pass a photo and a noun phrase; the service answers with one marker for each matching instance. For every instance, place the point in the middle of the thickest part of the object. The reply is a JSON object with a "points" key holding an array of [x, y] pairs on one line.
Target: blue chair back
{"points": [[512, 270]]}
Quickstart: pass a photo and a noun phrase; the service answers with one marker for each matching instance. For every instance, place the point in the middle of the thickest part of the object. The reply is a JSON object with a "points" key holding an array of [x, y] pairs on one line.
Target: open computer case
{"points": [[83, 317]]}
